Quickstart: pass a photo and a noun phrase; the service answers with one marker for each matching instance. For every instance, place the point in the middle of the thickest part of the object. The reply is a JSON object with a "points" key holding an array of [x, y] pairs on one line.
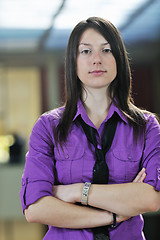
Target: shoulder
{"points": [[51, 117], [151, 119], [48, 120], [152, 123]]}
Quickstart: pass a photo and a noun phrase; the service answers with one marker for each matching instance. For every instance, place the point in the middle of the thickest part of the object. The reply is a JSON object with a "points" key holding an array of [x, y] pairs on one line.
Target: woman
{"points": [[62, 156]]}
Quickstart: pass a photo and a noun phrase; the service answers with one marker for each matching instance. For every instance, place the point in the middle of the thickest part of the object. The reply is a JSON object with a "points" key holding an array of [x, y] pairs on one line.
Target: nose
{"points": [[96, 58]]}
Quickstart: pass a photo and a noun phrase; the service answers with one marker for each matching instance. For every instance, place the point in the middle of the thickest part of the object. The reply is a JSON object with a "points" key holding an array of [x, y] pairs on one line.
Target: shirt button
{"points": [[129, 157], [98, 146], [23, 183], [66, 156]]}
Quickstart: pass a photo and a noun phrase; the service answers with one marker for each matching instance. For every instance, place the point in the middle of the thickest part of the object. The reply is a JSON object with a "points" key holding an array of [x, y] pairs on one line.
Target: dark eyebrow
{"points": [[88, 44]]}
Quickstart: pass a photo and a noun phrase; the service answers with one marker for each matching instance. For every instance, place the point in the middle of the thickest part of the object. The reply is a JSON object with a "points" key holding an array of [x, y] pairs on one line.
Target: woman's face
{"points": [[96, 65]]}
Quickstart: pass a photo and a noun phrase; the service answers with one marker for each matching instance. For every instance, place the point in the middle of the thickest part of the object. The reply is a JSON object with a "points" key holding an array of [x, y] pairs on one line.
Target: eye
{"points": [[85, 51], [106, 50]]}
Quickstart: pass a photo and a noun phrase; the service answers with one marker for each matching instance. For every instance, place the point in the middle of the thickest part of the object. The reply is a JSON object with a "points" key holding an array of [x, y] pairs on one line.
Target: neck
{"points": [[96, 103]]}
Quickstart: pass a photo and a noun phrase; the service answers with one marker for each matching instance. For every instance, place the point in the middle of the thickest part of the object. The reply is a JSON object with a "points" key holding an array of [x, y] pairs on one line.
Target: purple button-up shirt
{"points": [[75, 164]]}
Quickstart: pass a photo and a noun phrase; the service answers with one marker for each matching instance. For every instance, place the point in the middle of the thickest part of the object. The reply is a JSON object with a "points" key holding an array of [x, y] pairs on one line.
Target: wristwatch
{"points": [[85, 191]]}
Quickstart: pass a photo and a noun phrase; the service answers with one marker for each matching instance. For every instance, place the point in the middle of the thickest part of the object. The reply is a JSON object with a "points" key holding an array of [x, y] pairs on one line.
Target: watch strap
{"points": [[85, 191], [113, 225]]}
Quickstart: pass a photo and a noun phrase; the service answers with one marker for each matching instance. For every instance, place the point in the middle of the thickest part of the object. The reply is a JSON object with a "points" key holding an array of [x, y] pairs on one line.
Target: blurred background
{"points": [[33, 38]]}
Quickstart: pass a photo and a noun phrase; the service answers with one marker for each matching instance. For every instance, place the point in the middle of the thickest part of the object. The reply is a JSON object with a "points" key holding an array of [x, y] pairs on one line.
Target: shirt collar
{"points": [[113, 108], [81, 111]]}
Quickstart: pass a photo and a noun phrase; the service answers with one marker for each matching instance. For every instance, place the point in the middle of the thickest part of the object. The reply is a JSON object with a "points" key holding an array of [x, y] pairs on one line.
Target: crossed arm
{"points": [[128, 199], [125, 200]]}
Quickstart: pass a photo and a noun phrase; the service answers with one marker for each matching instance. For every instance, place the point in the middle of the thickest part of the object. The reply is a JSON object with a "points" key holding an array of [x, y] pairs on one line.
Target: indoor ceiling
{"points": [[30, 25]]}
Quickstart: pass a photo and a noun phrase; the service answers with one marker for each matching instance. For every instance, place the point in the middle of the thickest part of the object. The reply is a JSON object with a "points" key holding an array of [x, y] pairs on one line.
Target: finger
{"points": [[143, 177], [140, 176]]}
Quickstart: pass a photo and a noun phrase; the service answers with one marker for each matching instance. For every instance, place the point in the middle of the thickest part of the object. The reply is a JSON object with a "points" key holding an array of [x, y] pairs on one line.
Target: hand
{"points": [[121, 218], [69, 193], [138, 179]]}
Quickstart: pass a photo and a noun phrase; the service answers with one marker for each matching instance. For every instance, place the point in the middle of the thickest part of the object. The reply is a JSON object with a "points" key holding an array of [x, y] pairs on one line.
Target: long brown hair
{"points": [[119, 89]]}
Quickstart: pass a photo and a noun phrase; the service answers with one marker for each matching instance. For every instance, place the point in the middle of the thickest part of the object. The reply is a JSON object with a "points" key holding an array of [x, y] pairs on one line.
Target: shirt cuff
{"points": [[32, 190], [158, 180], [154, 180]]}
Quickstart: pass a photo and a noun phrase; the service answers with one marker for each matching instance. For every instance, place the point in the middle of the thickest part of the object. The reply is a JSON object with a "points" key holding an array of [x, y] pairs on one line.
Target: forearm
{"points": [[127, 199], [51, 211]]}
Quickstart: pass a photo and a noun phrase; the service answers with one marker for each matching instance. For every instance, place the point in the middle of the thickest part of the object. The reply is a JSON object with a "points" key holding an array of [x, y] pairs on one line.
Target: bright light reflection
{"points": [[114, 10], [38, 13], [27, 13], [5, 142]]}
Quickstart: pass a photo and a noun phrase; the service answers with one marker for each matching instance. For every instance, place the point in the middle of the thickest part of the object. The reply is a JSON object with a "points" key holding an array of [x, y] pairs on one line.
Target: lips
{"points": [[97, 72]]}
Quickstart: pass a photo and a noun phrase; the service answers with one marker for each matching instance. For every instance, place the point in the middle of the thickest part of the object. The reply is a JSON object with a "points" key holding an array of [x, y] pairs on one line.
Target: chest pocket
{"points": [[69, 163], [126, 163]]}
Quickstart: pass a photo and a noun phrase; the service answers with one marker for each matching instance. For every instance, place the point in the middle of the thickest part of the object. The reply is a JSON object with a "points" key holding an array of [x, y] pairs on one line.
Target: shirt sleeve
{"points": [[38, 176], [151, 155]]}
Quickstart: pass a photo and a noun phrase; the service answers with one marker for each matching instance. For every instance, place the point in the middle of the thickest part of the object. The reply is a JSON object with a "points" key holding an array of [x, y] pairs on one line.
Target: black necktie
{"points": [[100, 169]]}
